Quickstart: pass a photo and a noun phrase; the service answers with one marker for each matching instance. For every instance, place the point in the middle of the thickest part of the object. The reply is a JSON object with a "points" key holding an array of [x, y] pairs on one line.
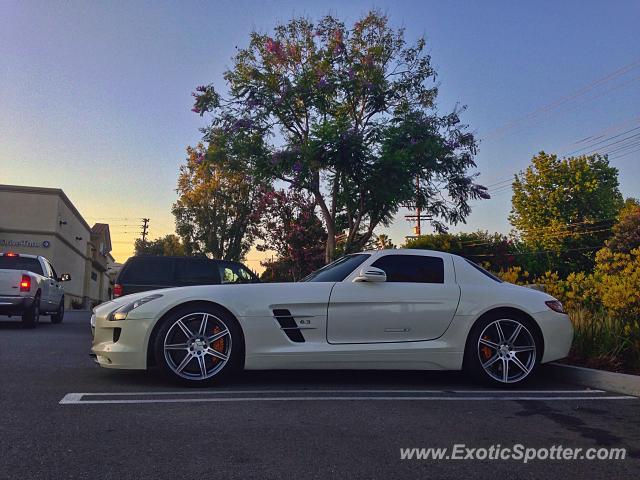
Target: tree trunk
{"points": [[331, 227], [331, 244]]}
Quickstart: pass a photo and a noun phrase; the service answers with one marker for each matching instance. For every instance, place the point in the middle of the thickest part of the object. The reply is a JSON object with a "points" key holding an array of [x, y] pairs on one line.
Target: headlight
{"points": [[122, 312], [556, 306]]}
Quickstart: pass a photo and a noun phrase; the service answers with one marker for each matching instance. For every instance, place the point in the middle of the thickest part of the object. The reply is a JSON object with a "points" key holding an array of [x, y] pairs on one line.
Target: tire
{"points": [[59, 315], [206, 345], [31, 316], [516, 344]]}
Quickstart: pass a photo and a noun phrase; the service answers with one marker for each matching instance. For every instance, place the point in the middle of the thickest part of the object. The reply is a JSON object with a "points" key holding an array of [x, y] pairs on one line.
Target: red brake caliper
{"points": [[486, 351], [218, 345]]}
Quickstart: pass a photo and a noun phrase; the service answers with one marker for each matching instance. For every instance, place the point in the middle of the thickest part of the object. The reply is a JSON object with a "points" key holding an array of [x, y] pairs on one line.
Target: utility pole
{"points": [[418, 216], [145, 228]]}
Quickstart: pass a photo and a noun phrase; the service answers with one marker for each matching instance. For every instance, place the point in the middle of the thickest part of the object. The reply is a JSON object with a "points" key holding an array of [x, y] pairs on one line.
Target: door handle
{"points": [[396, 330]]}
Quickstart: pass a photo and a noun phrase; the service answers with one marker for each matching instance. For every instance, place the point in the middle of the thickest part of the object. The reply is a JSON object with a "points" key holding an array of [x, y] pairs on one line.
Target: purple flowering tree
{"points": [[289, 226], [348, 115]]}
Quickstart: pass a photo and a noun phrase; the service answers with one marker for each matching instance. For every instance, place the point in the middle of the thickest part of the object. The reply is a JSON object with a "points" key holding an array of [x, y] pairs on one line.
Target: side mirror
{"points": [[371, 274], [65, 277]]}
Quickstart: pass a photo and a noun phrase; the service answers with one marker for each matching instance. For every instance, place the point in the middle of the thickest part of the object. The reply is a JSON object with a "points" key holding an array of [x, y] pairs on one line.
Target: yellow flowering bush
{"points": [[514, 275], [618, 281], [604, 307]]}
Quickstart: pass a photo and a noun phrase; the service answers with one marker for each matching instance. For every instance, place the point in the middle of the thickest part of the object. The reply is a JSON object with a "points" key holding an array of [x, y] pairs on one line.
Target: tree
{"points": [[565, 208], [166, 246], [351, 117], [217, 199], [626, 231], [493, 250], [289, 227], [383, 242]]}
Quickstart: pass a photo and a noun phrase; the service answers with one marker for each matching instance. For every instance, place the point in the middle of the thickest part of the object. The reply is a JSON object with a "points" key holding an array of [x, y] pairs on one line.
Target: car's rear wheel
{"points": [[31, 316], [59, 315], [199, 345], [503, 350]]}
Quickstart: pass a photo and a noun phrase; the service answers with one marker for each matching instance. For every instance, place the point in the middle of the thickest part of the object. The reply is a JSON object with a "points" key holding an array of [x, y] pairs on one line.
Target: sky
{"points": [[95, 97]]}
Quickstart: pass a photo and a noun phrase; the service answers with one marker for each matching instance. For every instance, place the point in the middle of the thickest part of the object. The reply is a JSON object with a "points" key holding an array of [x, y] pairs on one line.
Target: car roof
{"points": [[407, 251], [179, 257]]}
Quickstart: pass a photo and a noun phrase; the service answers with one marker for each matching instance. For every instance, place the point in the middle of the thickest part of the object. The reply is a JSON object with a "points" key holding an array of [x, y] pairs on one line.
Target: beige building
{"points": [[43, 221]]}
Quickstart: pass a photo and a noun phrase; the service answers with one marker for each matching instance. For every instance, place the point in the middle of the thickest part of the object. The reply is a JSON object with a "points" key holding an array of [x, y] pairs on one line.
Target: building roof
{"points": [[102, 230], [47, 191]]}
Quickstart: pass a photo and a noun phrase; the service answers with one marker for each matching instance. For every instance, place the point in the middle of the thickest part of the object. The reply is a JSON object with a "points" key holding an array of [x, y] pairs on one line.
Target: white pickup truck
{"points": [[30, 286]]}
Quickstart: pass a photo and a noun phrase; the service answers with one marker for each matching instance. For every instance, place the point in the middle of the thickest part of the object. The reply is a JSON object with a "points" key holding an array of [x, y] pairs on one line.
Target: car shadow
{"points": [[153, 379]]}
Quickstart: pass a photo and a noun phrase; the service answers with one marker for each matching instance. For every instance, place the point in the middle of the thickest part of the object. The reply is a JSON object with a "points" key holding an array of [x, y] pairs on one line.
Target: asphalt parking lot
{"points": [[63, 417]]}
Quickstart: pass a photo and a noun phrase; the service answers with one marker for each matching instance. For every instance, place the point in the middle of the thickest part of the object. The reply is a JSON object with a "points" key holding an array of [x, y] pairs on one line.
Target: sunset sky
{"points": [[95, 97]]}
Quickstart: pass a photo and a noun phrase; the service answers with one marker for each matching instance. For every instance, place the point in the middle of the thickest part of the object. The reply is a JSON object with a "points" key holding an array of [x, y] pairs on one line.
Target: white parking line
{"points": [[419, 395], [359, 390]]}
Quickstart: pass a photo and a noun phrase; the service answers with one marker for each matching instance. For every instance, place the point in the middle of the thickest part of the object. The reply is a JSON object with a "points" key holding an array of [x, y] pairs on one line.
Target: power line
{"points": [[601, 141], [532, 253], [563, 100], [604, 147]]}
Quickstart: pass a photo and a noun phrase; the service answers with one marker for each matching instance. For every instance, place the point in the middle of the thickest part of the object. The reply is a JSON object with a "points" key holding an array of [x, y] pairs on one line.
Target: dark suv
{"points": [[143, 273]]}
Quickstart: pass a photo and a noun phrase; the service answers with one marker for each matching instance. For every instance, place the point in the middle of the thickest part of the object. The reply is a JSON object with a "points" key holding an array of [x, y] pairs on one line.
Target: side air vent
{"points": [[288, 325]]}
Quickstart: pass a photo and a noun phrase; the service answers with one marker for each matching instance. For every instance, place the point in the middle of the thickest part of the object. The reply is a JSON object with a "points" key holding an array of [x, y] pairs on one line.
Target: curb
{"points": [[601, 379]]}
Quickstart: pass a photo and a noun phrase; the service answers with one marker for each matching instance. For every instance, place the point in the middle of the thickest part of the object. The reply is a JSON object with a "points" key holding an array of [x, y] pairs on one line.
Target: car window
{"points": [[53, 271], [412, 268], [49, 268], [21, 263], [235, 273], [483, 271], [338, 270], [197, 272], [148, 271]]}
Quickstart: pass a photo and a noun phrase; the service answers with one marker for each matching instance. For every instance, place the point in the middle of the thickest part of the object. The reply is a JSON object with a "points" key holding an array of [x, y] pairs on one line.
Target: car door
{"points": [[47, 288], [57, 290], [417, 302]]}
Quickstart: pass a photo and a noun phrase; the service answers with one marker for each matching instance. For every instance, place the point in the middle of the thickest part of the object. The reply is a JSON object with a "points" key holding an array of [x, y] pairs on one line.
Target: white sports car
{"points": [[388, 309]]}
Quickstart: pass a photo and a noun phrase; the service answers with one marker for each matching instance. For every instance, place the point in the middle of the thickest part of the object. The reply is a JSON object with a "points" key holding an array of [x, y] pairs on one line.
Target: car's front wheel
{"points": [[199, 345], [502, 350]]}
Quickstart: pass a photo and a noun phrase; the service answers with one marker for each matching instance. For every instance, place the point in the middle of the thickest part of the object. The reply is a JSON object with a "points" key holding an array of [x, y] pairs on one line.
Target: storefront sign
{"points": [[25, 243]]}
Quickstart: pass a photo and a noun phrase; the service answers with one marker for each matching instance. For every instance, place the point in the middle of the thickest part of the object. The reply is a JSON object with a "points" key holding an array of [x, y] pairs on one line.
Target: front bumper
{"points": [[120, 344], [557, 332], [14, 305]]}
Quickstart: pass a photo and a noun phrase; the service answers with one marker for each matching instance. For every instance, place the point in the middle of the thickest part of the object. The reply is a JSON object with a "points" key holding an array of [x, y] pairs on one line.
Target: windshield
{"points": [[338, 270]]}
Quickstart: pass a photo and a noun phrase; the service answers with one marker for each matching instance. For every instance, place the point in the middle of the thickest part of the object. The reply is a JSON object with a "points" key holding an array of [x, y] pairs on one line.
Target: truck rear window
{"points": [[21, 263]]}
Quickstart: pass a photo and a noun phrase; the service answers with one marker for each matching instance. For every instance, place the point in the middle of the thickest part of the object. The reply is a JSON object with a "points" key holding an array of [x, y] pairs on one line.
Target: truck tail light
{"points": [[25, 283], [117, 290]]}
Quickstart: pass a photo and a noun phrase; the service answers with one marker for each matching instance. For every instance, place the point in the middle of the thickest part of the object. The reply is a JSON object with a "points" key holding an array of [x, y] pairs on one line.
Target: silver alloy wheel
{"points": [[192, 346], [507, 350]]}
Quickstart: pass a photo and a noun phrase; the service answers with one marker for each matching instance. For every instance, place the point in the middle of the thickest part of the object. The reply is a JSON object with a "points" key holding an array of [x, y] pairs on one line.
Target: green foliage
{"points": [[217, 198], [353, 113], [604, 307], [163, 246], [383, 242], [626, 232], [492, 250], [565, 208]]}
